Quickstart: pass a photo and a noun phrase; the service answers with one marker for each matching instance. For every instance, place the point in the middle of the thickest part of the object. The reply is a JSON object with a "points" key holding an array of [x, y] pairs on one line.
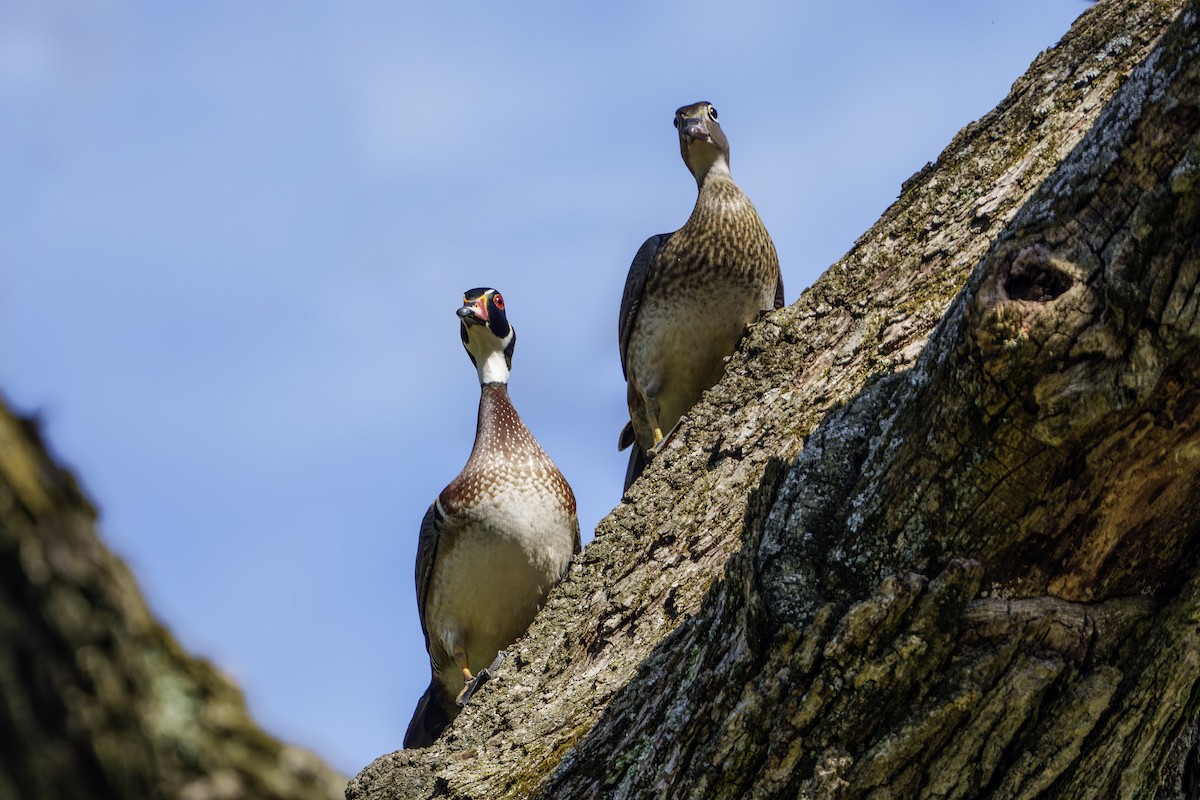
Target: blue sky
{"points": [[233, 236]]}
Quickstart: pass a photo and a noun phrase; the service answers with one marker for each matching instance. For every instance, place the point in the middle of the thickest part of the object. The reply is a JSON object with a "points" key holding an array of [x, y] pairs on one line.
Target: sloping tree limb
{"points": [[823, 662], [1040, 463], [888, 561]]}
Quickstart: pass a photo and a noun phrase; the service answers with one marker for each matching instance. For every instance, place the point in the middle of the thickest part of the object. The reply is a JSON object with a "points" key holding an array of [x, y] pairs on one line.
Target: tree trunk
{"points": [[97, 700], [934, 534]]}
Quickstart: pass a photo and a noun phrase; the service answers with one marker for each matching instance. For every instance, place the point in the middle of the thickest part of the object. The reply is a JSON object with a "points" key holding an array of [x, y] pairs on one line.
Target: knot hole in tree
{"points": [[1035, 276]]}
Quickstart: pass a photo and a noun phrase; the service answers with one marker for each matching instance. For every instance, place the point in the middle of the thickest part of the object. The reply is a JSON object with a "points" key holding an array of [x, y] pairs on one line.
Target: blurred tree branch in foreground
{"points": [[97, 700]]}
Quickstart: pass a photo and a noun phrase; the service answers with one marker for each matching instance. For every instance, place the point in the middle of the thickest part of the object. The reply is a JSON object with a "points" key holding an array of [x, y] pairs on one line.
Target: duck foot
{"points": [[483, 676], [663, 442]]}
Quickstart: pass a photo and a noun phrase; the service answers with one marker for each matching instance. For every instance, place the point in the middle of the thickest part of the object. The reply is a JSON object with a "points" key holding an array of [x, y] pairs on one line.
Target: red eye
{"points": [[499, 301]]}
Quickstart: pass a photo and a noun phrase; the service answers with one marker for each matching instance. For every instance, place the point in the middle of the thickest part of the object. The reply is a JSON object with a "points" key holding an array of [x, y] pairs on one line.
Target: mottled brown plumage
{"points": [[505, 455], [690, 294], [497, 538]]}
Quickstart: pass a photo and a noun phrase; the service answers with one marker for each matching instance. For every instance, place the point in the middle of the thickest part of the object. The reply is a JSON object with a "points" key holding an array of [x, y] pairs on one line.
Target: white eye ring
{"points": [[712, 111]]}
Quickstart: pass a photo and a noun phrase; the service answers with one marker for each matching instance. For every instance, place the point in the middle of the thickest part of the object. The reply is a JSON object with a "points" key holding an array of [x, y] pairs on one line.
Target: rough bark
{"points": [[97, 699], [934, 534]]}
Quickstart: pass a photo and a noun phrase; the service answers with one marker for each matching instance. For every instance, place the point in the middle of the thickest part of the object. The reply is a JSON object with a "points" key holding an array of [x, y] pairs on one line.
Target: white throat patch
{"points": [[488, 353]]}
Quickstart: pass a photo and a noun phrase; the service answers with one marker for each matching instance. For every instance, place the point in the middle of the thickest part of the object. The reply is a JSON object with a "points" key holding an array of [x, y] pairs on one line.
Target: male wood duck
{"points": [[495, 541], [691, 294]]}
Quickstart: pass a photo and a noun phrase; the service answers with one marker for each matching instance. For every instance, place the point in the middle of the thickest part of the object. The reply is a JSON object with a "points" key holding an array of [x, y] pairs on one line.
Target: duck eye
{"points": [[712, 111], [499, 301]]}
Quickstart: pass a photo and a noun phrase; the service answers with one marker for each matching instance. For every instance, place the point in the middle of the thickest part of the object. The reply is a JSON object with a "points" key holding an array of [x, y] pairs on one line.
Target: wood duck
{"points": [[495, 541], [691, 294]]}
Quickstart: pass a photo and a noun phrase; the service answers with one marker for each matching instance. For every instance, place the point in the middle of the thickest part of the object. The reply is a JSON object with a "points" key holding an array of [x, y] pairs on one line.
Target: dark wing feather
{"points": [[637, 464], [635, 285], [627, 436], [427, 544], [779, 301], [434, 713]]}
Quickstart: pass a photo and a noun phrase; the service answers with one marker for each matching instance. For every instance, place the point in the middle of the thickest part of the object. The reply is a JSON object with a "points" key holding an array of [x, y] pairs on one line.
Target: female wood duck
{"points": [[495, 541], [691, 294]]}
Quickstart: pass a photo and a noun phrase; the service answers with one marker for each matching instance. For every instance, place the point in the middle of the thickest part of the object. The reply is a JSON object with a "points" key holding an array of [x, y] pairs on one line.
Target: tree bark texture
{"points": [[97, 700], [934, 534]]}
